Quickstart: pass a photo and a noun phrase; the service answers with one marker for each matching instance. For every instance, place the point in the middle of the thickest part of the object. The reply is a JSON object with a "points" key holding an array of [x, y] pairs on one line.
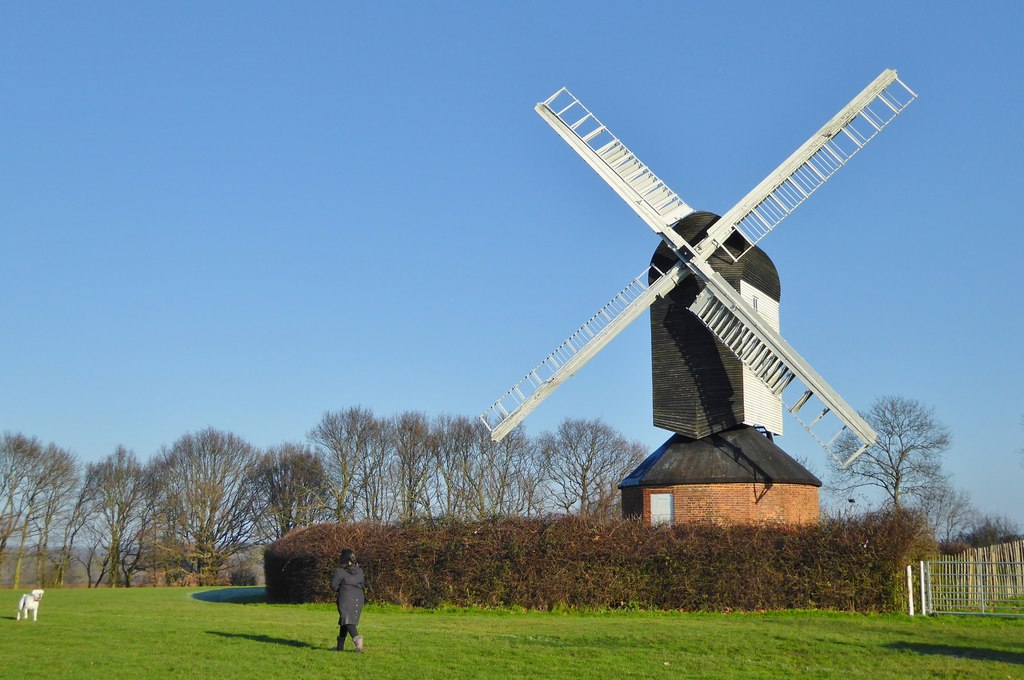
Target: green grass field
{"points": [[170, 633]]}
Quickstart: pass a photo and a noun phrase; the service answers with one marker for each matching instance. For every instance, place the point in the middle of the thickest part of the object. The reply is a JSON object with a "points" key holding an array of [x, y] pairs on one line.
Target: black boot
{"points": [[341, 644]]}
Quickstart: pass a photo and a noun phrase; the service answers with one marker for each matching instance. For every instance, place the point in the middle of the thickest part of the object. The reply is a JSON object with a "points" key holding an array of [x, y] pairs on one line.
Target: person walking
{"points": [[348, 581]]}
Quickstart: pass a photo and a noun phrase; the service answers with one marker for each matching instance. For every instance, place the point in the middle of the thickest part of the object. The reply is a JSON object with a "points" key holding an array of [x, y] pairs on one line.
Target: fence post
{"points": [[910, 589], [981, 587], [924, 600]]}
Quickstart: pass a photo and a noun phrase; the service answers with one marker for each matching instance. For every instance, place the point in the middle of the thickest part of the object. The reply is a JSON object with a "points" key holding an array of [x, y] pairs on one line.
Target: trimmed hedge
{"points": [[852, 564]]}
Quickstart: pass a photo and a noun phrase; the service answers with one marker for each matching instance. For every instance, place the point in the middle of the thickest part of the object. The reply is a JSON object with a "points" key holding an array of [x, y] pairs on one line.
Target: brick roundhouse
{"points": [[736, 476]]}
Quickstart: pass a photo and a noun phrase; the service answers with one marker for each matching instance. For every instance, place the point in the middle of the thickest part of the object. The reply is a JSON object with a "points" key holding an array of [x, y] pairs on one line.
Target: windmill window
{"points": [[755, 304], [662, 509]]}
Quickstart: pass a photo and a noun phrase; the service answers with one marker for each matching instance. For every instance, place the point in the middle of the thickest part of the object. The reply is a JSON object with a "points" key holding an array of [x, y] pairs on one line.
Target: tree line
{"points": [[182, 516]]}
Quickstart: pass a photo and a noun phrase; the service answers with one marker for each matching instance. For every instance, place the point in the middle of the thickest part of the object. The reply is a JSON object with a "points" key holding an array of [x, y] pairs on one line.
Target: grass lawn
{"points": [[231, 633]]}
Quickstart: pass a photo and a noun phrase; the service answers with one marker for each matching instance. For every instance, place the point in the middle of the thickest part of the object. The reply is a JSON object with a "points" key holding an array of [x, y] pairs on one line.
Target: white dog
{"points": [[29, 603]]}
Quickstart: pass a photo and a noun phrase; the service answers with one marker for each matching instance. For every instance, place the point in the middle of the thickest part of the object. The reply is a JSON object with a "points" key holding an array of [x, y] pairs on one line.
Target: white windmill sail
{"points": [[640, 188], [653, 201], [719, 306], [508, 411], [810, 166], [776, 363]]}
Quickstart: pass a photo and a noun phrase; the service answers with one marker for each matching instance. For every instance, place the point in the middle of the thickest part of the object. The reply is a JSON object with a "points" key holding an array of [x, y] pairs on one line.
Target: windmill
{"points": [[709, 277]]}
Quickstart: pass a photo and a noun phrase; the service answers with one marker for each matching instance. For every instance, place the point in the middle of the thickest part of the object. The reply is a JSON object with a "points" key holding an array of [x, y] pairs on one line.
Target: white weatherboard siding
{"points": [[760, 406]]}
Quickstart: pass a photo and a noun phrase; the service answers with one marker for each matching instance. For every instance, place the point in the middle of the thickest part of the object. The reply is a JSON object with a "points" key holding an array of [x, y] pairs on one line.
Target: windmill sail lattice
{"points": [[719, 307], [633, 181], [810, 166], [513, 406], [777, 365]]}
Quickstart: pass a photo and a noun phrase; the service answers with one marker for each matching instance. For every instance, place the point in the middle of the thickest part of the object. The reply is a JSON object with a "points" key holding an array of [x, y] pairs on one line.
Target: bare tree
{"points": [[35, 483], [291, 480], [18, 456], [73, 521], [120, 500], [91, 555], [342, 440], [511, 478], [412, 464], [457, 467], [532, 479], [586, 459], [38, 485], [205, 487], [60, 482], [991, 530], [376, 495], [949, 510], [905, 464]]}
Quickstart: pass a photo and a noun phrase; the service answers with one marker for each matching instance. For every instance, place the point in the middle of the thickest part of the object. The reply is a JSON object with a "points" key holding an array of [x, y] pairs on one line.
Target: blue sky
{"points": [[241, 215]]}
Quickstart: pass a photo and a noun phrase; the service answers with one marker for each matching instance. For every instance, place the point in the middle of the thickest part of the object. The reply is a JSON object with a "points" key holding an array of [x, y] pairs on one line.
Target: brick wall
{"points": [[730, 503]]}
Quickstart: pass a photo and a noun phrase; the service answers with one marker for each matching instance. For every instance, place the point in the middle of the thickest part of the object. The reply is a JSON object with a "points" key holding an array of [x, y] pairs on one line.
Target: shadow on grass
{"points": [[960, 652], [265, 638], [232, 595]]}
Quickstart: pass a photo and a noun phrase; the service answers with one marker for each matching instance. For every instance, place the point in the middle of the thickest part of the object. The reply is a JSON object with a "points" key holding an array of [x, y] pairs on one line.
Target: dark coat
{"points": [[349, 582]]}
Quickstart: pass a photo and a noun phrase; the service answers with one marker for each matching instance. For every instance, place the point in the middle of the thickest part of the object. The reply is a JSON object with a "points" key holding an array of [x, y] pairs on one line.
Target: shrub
{"points": [[851, 564], [242, 575]]}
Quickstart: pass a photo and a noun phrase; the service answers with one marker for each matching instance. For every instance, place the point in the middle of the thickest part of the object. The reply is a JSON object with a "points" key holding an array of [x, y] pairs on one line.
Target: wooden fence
{"points": [[1004, 552], [986, 580]]}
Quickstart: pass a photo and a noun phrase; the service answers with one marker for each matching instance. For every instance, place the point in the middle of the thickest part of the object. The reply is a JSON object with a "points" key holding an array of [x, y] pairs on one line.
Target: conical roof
{"points": [[741, 454]]}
